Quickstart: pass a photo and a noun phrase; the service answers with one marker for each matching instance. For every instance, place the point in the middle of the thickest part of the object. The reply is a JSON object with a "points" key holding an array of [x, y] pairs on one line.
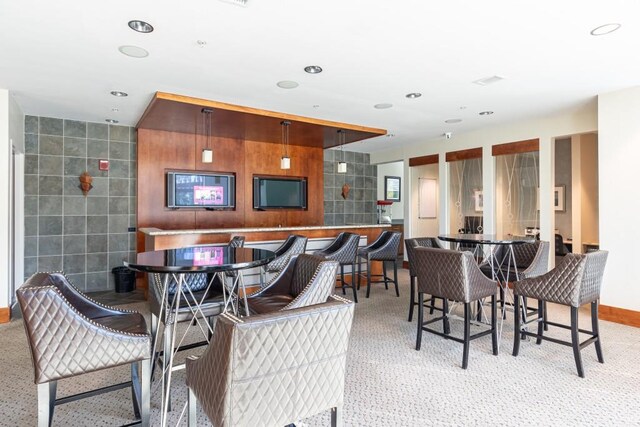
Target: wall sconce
{"points": [[207, 152], [342, 165], [85, 182], [285, 161]]}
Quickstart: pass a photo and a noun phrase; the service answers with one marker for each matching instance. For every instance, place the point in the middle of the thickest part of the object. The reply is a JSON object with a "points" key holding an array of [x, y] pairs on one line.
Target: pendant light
{"points": [[285, 161], [342, 165], [207, 152]]}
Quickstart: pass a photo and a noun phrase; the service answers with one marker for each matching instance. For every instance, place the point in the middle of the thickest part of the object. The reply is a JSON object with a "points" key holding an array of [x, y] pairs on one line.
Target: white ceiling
{"points": [[61, 58]]}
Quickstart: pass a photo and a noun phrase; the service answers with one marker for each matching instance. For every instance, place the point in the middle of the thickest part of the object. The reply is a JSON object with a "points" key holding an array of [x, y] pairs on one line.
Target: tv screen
{"points": [[200, 190], [279, 193]]}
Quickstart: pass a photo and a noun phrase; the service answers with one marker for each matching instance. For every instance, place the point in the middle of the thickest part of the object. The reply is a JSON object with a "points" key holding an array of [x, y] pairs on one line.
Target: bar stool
{"points": [[385, 249], [344, 250], [294, 245], [411, 245]]}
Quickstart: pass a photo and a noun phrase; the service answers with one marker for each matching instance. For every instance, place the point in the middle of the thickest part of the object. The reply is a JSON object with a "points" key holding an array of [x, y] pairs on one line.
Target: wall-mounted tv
{"points": [[279, 193], [201, 190]]}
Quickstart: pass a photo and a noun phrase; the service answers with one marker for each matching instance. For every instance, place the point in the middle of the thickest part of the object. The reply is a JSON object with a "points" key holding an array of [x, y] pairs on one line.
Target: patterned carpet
{"points": [[389, 383]]}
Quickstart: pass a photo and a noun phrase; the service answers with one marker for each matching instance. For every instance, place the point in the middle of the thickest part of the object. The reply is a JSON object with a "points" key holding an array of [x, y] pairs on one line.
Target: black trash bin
{"points": [[125, 279]]}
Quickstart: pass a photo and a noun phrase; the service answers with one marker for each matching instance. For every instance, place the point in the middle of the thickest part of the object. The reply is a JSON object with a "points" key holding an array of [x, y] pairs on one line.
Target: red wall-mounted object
{"points": [[103, 165]]}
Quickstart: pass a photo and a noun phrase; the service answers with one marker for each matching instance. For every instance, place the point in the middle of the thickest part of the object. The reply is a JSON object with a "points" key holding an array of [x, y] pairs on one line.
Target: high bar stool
{"points": [[385, 249]]}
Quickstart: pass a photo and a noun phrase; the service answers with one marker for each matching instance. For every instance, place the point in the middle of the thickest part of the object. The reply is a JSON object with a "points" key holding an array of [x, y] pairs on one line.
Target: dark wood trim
{"points": [[5, 314], [405, 264], [471, 153], [620, 315], [424, 160], [526, 146]]}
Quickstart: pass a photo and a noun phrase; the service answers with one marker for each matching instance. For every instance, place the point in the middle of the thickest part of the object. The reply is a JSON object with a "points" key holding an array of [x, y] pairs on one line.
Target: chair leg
{"points": [[359, 271], [154, 333], [420, 320], [369, 277], [546, 324], [191, 409], [46, 403], [541, 322], [342, 279], [575, 341], [445, 316], [412, 298], [353, 283], [596, 330], [467, 334], [136, 397], [395, 277], [516, 324], [145, 393], [336, 416], [494, 322], [166, 355], [433, 304], [384, 274]]}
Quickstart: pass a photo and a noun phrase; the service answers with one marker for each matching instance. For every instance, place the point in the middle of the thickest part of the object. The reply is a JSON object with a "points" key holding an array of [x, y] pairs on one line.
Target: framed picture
{"points": [[558, 199], [392, 188], [479, 199]]}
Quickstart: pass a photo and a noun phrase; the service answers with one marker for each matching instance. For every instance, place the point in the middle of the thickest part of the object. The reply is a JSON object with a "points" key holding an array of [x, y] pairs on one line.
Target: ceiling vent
{"points": [[242, 3], [488, 80]]}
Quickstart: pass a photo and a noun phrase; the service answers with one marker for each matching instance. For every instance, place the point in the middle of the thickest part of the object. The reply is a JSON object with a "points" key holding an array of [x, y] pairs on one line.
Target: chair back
{"points": [[294, 361], [237, 242], [592, 277], [294, 245], [535, 253], [311, 270], [560, 247], [385, 248], [411, 244]]}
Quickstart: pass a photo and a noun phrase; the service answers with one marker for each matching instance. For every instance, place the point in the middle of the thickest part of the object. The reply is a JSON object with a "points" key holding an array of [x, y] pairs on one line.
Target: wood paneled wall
{"points": [[161, 151]]}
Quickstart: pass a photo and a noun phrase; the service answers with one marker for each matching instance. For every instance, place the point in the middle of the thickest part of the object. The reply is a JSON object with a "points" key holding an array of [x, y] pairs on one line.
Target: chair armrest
{"points": [[540, 263], [281, 283], [319, 288]]}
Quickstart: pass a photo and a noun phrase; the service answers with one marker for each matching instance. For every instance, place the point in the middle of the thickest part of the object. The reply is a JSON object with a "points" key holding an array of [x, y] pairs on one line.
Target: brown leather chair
{"points": [[70, 334], [574, 282], [273, 369], [306, 280]]}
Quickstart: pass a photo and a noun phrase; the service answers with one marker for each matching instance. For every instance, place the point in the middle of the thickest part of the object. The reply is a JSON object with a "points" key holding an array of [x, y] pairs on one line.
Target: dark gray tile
{"points": [[118, 242], [328, 219], [74, 166], [97, 262], [77, 280], [49, 263], [31, 143], [50, 225], [329, 180], [75, 128], [132, 221], [31, 164], [30, 266], [50, 126], [118, 133], [116, 259], [49, 245], [51, 145], [360, 207], [118, 187], [50, 165], [97, 224], [349, 207], [132, 241], [119, 169], [75, 225], [119, 150], [30, 225], [366, 158], [133, 151], [98, 148], [31, 124], [349, 156], [97, 281], [118, 205], [100, 187], [50, 185], [74, 244], [358, 194], [133, 134], [133, 169], [73, 263], [329, 207], [75, 147], [328, 167], [118, 223], [98, 130], [133, 187], [359, 157], [329, 155], [31, 246], [338, 219], [132, 205], [50, 205], [75, 205], [97, 205], [31, 184], [359, 169], [97, 243], [31, 205], [360, 182]]}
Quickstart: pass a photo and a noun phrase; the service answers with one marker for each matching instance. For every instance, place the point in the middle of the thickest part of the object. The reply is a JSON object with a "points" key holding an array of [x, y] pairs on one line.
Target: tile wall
{"points": [[83, 236]]}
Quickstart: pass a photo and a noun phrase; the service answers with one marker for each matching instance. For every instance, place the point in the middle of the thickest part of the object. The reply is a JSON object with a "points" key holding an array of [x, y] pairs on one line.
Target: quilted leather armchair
{"points": [[343, 249], [273, 369], [453, 276], [385, 249], [574, 282], [70, 334], [411, 244], [306, 280], [294, 245]]}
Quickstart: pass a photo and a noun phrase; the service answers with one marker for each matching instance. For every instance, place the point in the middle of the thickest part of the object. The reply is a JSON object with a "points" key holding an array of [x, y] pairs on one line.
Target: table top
{"points": [[203, 259], [483, 239]]}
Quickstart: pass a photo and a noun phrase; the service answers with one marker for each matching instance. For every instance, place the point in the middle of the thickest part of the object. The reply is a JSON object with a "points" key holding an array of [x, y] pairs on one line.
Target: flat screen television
{"points": [[279, 193], [201, 190]]}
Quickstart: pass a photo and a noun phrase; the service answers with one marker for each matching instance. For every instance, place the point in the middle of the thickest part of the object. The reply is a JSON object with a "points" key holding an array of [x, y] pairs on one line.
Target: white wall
{"points": [[618, 154], [421, 227], [16, 139], [393, 169]]}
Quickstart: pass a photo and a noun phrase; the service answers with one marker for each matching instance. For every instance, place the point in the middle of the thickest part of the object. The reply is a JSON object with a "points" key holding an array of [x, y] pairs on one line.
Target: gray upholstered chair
{"points": [[294, 245], [343, 249], [306, 280], [574, 282], [411, 244], [385, 249], [273, 369], [70, 334], [453, 276]]}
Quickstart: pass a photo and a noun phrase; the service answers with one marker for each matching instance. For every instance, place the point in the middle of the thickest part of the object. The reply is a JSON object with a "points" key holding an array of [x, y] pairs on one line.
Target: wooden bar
{"points": [[526, 146], [472, 153], [423, 160]]}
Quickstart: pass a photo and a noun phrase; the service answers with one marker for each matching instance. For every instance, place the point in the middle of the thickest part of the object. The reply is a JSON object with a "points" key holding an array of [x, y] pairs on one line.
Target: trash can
{"points": [[125, 279]]}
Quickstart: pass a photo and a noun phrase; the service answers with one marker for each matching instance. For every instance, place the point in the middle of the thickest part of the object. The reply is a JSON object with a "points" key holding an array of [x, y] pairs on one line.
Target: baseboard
{"points": [[619, 315], [405, 264], [5, 314]]}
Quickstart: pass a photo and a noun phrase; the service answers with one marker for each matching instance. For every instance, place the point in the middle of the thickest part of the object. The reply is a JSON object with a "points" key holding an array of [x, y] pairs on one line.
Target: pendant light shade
{"points": [[207, 152], [342, 165], [207, 155], [285, 161]]}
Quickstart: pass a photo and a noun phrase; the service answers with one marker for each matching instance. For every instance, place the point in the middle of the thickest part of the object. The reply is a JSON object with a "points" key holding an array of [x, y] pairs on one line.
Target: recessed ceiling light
{"points": [[605, 29], [119, 94], [115, 110], [287, 84], [133, 51], [316, 106], [140, 26], [488, 80], [413, 95], [313, 69], [383, 106], [242, 3], [453, 120], [201, 43], [390, 135], [485, 113], [112, 121], [464, 107]]}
